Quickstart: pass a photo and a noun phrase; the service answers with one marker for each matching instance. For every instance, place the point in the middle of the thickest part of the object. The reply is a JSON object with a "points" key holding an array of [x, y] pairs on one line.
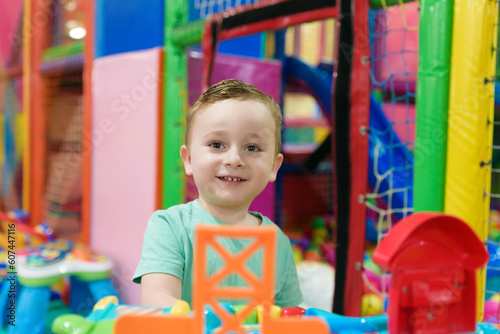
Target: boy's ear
{"points": [[276, 166], [186, 158]]}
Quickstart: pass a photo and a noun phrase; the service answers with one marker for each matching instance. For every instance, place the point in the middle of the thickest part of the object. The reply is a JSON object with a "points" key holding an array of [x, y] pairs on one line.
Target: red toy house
{"points": [[433, 258]]}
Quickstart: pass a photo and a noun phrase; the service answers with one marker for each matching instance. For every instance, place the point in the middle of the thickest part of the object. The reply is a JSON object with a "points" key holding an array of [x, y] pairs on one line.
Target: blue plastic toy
{"points": [[28, 285]]}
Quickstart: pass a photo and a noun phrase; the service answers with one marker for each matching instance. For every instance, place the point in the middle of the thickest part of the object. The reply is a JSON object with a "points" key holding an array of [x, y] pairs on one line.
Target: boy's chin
{"points": [[229, 203], [233, 204]]}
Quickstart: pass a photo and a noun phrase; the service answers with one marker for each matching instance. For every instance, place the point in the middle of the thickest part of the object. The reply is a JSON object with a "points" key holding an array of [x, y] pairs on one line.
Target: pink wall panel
{"points": [[124, 159], [10, 36]]}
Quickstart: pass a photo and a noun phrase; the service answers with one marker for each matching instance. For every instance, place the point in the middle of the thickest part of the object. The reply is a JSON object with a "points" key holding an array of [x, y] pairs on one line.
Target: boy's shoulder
{"points": [[266, 221], [181, 214], [180, 208], [176, 210]]}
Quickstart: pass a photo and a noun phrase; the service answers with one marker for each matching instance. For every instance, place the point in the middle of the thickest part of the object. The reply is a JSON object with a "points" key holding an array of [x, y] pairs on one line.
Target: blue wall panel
{"points": [[122, 26]]}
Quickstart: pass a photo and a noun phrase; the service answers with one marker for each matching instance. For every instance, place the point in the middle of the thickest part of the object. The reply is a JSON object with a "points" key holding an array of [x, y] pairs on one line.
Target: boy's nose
{"points": [[233, 158]]}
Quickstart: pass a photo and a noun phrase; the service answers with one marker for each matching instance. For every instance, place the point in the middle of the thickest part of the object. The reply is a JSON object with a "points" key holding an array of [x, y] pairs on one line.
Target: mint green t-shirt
{"points": [[168, 247]]}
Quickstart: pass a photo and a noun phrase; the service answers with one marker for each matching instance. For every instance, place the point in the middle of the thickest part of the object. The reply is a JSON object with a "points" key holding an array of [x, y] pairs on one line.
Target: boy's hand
{"points": [[160, 290]]}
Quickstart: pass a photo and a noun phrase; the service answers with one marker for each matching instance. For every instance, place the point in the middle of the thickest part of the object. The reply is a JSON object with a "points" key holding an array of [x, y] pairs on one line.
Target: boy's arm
{"points": [[160, 290], [290, 293]]}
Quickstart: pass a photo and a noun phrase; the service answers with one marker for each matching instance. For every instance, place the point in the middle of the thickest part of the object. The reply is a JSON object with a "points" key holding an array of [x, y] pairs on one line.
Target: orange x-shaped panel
{"points": [[206, 289]]}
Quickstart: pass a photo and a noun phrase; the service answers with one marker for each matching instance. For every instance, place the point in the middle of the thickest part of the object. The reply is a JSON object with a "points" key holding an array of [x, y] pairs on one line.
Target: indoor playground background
{"points": [[401, 119]]}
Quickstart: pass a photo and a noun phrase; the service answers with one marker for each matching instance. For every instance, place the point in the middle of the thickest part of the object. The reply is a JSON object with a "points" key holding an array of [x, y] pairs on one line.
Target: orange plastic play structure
{"points": [[206, 290]]}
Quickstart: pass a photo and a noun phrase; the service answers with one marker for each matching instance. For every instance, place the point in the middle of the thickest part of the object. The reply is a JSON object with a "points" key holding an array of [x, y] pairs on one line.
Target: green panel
{"points": [[299, 136], [263, 44], [63, 51], [38, 282], [433, 86], [375, 4], [188, 34], [175, 103]]}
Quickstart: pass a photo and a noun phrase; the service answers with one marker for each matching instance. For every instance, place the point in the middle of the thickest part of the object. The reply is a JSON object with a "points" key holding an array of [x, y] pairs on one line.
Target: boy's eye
{"points": [[252, 148], [215, 145]]}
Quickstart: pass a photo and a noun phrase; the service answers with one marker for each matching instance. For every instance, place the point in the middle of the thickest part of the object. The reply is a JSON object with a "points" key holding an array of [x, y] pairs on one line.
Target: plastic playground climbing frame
{"points": [[208, 289], [59, 163], [186, 24], [13, 116], [449, 154], [355, 136]]}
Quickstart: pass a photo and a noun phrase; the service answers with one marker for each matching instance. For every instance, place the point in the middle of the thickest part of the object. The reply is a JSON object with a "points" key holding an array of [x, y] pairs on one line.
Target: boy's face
{"points": [[231, 154]]}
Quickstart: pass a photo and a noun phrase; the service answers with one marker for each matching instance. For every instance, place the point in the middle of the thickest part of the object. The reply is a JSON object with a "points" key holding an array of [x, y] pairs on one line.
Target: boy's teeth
{"points": [[230, 178]]}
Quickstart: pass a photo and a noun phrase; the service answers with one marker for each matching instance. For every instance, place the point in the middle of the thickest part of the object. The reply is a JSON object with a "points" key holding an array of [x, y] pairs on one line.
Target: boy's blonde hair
{"points": [[237, 90]]}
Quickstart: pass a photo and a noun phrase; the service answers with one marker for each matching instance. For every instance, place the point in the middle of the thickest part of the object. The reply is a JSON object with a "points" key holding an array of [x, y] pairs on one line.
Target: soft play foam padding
{"points": [[124, 158]]}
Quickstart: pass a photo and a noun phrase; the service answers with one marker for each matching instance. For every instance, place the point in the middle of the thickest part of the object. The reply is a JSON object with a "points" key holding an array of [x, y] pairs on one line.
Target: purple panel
{"points": [[263, 74], [67, 64]]}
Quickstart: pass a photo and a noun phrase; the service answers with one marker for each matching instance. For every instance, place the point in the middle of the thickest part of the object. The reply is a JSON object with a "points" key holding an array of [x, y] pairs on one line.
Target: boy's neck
{"points": [[237, 216]]}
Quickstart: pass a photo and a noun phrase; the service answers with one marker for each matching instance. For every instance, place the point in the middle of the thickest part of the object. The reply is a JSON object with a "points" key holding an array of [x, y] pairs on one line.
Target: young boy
{"points": [[232, 150]]}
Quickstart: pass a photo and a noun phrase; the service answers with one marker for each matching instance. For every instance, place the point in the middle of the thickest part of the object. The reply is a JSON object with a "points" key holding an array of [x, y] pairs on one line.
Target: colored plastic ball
{"points": [[180, 308], [297, 254], [371, 304]]}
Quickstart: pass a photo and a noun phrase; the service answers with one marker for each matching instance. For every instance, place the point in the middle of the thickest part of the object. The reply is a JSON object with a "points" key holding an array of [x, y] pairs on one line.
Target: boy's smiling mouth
{"points": [[231, 178]]}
